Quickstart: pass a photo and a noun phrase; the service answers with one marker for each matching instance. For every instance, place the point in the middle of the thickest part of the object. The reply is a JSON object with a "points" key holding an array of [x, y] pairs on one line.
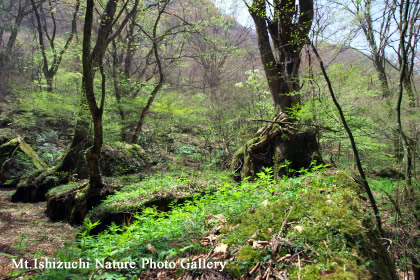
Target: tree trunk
{"points": [[280, 42], [380, 70], [408, 86], [93, 155], [49, 79], [281, 58], [404, 10], [13, 35], [145, 111], [118, 89], [92, 59], [279, 146], [157, 88]]}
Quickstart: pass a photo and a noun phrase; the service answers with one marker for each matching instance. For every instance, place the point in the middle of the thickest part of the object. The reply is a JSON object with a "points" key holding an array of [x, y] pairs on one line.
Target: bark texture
{"points": [[287, 29], [278, 145]]}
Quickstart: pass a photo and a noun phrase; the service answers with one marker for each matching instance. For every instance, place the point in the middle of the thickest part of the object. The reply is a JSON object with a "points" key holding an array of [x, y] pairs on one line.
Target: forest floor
{"points": [[26, 230]]}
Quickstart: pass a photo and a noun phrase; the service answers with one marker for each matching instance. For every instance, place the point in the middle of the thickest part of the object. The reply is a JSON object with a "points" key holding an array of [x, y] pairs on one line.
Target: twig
{"points": [[326, 246], [255, 268], [300, 267], [307, 245]]}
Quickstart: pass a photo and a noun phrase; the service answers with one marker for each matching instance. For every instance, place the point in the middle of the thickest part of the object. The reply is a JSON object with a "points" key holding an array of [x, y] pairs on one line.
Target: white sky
{"points": [[237, 9]]}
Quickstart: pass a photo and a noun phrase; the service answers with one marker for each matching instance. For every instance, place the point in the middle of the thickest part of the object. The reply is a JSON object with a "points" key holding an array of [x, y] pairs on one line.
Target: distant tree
{"points": [[214, 43], [138, 59], [50, 68], [161, 79], [377, 32], [12, 14], [409, 29]]}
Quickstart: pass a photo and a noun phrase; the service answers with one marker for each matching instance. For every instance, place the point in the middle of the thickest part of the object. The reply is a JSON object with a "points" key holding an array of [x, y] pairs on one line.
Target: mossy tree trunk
{"points": [[279, 145], [281, 38], [93, 58]]}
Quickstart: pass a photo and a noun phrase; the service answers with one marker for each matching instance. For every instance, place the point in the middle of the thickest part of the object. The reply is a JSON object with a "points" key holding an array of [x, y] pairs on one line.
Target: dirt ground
{"points": [[26, 230]]}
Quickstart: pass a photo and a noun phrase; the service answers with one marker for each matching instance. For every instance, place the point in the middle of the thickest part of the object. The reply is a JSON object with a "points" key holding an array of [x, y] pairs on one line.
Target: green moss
{"points": [[333, 231], [347, 270], [132, 150], [62, 189], [254, 141], [248, 254], [9, 148], [158, 190], [239, 154], [81, 194], [345, 180], [37, 162]]}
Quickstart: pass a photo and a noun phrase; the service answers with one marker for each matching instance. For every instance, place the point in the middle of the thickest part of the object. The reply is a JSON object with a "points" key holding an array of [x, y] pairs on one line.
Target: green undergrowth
{"points": [[318, 217], [168, 186], [61, 189]]}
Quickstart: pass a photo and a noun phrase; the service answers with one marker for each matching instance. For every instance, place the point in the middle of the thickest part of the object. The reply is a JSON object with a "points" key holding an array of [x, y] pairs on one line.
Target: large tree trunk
{"points": [[281, 57], [280, 146], [280, 42]]}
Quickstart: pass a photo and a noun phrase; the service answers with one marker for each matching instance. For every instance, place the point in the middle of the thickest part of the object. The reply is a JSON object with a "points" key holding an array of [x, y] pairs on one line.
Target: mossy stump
{"points": [[116, 160], [278, 145], [68, 202]]}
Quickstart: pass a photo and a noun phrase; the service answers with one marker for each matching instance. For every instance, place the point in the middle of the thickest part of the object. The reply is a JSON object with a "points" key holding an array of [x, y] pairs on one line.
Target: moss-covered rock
{"points": [[108, 213], [330, 230], [159, 191], [122, 159], [61, 201], [67, 203], [16, 159], [32, 188]]}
